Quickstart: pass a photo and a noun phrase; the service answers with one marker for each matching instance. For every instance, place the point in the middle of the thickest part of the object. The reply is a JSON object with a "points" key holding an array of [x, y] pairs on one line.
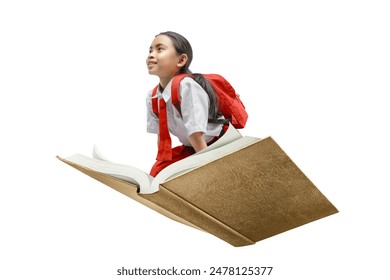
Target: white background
{"points": [[313, 74]]}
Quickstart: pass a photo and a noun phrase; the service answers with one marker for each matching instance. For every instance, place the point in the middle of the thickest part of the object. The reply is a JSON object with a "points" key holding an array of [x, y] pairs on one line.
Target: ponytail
{"points": [[213, 108]]}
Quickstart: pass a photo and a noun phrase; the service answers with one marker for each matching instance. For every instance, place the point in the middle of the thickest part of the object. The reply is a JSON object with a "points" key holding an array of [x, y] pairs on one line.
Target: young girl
{"points": [[171, 54]]}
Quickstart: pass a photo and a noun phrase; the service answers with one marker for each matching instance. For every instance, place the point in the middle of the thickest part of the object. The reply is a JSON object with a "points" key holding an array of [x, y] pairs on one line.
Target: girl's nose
{"points": [[151, 54]]}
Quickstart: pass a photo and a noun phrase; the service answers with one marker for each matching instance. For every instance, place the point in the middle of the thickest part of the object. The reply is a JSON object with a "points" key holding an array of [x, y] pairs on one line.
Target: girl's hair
{"points": [[182, 46]]}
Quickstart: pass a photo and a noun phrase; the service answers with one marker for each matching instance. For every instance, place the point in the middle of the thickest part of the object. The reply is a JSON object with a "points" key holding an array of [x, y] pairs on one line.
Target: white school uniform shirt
{"points": [[194, 107]]}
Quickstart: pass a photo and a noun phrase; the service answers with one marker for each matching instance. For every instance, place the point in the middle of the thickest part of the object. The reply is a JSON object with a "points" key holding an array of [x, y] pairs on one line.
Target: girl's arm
{"points": [[197, 141]]}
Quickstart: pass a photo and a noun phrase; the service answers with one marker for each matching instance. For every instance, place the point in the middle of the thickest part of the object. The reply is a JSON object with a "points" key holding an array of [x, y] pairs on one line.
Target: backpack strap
{"points": [[175, 91], [155, 101], [175, 94]]}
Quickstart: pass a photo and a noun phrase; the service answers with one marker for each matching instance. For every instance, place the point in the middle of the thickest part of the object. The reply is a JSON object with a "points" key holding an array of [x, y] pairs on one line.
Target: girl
{"points": [[171, 54]]}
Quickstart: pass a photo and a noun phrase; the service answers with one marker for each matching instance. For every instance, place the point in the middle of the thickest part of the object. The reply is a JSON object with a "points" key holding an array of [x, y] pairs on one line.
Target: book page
{"points": [[230, 135], [97, 154], [127, 173]]}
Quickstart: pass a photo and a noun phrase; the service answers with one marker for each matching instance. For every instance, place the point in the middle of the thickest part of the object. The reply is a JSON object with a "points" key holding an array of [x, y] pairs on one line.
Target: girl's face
{"points": [[163, 60]]}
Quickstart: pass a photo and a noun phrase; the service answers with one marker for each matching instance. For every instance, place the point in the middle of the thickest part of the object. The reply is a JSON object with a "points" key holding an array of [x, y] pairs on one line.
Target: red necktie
{"points": [[164, 144]]}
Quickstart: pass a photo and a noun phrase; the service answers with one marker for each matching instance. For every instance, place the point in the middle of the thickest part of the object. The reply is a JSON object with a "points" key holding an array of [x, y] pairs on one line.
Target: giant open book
{"points": [[241, 189]]}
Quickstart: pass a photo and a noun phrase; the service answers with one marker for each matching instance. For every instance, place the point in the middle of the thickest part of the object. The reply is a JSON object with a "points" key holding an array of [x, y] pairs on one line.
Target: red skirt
{"points": [[178, 153], [181, 152]]}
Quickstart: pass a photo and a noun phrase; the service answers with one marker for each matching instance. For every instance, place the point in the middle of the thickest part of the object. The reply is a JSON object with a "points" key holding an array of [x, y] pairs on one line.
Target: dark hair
{"points": [[182, 46]]}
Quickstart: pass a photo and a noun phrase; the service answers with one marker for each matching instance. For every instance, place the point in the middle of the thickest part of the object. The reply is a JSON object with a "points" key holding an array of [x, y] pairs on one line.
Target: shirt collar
{"points": [[166, 94]]}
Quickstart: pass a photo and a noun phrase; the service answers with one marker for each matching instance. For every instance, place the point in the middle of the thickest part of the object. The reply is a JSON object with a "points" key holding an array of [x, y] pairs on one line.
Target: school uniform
{"points": [[194, 109]]}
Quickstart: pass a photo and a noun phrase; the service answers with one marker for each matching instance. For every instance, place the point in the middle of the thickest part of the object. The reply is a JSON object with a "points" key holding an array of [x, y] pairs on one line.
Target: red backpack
{"points": [[229, 103]]}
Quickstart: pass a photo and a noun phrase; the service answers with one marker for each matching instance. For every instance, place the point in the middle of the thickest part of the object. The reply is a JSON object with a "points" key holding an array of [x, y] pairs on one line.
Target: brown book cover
{"points": [[243, 197]]}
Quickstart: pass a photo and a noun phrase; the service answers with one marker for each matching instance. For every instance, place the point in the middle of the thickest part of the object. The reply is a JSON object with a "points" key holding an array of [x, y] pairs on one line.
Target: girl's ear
{"points": [[182, 60]]}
